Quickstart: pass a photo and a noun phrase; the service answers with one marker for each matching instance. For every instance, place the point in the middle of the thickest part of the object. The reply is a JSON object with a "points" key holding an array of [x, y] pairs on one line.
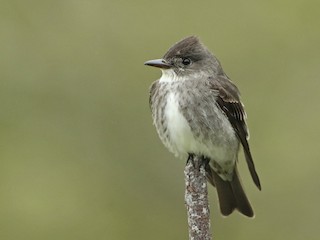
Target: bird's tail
{"points": [[230, 193]]}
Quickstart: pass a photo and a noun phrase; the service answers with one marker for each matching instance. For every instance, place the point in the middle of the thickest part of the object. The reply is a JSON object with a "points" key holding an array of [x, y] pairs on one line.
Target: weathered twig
{"points": [[196, 200]]}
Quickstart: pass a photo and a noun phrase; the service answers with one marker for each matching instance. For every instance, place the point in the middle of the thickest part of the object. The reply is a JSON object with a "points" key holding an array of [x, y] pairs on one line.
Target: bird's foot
{"points": [[199, 162]]}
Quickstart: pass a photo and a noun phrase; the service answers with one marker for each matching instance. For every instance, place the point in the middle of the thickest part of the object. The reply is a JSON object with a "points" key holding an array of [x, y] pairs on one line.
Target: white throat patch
{"points": [[168, 75]]}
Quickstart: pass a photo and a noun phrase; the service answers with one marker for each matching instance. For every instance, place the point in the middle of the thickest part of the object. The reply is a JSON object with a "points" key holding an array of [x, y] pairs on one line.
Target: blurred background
{"points": [[79, 157]]}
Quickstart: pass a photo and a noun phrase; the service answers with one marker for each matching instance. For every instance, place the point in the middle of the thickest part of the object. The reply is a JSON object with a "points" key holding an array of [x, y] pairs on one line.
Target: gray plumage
{"points": [[197, 110]]}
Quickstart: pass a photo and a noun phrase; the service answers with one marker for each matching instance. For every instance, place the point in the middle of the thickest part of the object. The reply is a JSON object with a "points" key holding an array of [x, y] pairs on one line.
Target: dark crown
{"points": [[187, 47]]}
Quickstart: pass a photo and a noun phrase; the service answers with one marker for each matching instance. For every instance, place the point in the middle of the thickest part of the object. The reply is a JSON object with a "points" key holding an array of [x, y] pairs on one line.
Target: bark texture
{"points": [[196, 200]]}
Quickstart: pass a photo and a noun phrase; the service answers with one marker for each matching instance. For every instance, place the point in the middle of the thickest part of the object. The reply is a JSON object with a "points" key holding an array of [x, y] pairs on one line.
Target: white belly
{"points": [[182, 139]]}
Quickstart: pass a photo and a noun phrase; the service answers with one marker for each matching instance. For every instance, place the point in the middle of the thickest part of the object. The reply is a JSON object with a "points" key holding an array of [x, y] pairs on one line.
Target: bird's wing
{"points": [[229, 101]]}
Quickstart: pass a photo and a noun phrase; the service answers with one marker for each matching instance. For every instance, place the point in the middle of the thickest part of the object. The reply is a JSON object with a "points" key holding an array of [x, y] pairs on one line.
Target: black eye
{"points": [[186, 61]]}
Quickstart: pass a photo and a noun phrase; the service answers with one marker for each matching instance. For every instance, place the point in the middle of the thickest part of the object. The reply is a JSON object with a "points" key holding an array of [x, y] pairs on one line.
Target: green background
{"points": [[79, 157]]}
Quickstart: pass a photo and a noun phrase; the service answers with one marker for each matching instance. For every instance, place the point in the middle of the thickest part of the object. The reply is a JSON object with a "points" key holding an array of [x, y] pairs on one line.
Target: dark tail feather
{"points": [[231, 194], [243, 204]]}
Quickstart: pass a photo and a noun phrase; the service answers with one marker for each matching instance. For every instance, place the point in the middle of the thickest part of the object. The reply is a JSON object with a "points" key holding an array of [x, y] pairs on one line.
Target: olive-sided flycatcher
{"points": [[197, 111]]}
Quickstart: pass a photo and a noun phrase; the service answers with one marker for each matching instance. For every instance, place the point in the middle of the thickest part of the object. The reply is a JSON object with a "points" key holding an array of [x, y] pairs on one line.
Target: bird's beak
{"points": [[160, 63]]}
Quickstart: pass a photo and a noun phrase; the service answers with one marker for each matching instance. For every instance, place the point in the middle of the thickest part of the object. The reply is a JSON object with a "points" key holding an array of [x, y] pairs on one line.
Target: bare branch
{"points": [[196, 200]]}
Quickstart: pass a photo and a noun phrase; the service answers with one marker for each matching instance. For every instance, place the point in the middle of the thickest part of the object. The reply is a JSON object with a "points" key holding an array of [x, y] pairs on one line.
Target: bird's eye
{"points": [[186, 61]]}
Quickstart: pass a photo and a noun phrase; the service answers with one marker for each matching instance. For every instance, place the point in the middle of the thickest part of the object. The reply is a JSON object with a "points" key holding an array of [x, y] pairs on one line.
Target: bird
{"points": [[197, 111]]}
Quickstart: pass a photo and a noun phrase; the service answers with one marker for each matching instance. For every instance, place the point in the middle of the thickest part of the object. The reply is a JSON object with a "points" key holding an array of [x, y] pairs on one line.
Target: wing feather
{"points": [[229, 102]]}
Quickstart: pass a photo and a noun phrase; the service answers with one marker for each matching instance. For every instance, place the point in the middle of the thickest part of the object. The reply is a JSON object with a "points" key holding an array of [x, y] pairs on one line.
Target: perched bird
{"points": [[197, 111]]}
